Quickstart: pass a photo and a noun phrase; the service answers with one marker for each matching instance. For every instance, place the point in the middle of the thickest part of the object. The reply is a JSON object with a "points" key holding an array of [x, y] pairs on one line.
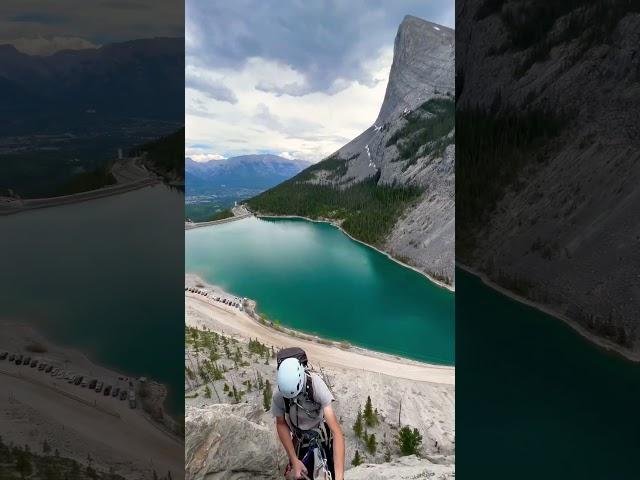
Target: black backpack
{"points": [[301, 356]]}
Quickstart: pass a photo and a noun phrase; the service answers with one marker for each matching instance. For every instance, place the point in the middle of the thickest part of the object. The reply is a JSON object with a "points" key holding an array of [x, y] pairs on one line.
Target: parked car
{"points": [[107, 390], [115, 392], [78, 380], [84, 383], [49, 369], [42, 366], [123, 395], [132, 399], [26, 361], [3, 355], [99, 387], [34, 363], [19, 360], [92, 383], [12, 357]]}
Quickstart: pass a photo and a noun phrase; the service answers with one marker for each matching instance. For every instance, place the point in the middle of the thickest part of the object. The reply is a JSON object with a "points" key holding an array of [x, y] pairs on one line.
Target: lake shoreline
{"points": [[388, 255], [29, 204], [599, 342], [193, 280], [62, 406]]}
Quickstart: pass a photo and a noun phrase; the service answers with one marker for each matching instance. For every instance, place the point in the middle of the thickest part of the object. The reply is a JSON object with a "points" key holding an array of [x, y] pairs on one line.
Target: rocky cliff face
{"points": [[231, 442], [230, 436], [412, 143], [404, 468], [564, 231], [216, 432]]}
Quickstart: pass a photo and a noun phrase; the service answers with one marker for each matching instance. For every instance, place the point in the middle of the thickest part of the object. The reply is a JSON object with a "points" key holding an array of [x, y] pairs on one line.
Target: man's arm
{"points": [[285, 438], [338, 441]]}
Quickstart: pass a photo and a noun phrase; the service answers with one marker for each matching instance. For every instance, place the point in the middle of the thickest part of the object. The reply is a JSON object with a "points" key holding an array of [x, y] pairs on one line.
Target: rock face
{"points": [[423, 61], [422, 70], [567, 229], [404, 468], [230, 439], [231, 442]]}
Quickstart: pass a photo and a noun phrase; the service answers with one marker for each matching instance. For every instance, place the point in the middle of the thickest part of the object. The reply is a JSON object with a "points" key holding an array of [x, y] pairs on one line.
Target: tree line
{"points": [[367, 210]]}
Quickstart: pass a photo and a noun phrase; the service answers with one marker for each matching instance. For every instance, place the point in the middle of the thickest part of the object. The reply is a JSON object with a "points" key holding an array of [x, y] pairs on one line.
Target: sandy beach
{"points": [[36, 406], [218, 316], [599, 341]]}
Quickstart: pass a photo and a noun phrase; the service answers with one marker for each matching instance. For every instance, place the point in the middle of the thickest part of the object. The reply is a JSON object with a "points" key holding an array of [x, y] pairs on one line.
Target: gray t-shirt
{"points": [[304, 413]]}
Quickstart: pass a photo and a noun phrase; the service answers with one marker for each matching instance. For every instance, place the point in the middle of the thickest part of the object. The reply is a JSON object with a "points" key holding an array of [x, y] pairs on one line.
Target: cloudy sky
{"points": [[42, 28], [295, 78]]}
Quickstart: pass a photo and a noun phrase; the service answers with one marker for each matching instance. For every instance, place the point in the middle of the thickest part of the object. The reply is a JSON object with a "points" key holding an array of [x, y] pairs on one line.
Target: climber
{"points": [[305, 421]]}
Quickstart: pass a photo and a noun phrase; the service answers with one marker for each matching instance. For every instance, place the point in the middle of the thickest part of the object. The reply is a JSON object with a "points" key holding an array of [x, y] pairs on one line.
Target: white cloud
{"points": [[49, 46], [201, 154], [208, 85], [206, 157], [309, 126], [287, 155]]}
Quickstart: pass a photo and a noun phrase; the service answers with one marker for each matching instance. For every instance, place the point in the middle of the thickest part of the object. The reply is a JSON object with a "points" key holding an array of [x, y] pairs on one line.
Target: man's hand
{"points": [[338, 441], [298, 468]]}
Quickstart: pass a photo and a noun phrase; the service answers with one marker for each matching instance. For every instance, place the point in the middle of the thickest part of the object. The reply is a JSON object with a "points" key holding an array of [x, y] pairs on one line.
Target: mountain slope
{"points": [[548, 198], [393, 185]]}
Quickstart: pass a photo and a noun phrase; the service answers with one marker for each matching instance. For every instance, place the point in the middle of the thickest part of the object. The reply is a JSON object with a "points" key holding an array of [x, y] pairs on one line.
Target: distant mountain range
{"points": [[255, 172], [142, 78]]}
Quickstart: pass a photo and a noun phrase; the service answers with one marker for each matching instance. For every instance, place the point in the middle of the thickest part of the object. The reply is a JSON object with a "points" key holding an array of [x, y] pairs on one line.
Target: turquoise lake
{"points": [[537, 400], [312, 277], [104, 277]]}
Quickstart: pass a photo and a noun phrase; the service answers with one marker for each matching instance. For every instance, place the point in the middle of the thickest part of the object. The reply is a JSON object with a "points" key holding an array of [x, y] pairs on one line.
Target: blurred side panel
{"points": [[91, 222], [548, 230]]}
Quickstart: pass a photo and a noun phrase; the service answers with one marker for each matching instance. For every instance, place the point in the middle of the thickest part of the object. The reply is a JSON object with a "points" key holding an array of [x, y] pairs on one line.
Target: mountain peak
{"points": [[423, 60]]}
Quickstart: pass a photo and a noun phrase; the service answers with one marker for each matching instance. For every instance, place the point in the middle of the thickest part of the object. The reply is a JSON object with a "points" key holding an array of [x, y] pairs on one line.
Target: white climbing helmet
{"points": [[290, 378]]}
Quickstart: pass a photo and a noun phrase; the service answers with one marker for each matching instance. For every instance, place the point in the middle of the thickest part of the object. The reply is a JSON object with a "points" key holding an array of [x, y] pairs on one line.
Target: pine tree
{"points": [[236, 395], [369, 416], [357, 460], [207, 392], [23, 463], [372, 445], [357, 427], [408, 440], [266, 396]]}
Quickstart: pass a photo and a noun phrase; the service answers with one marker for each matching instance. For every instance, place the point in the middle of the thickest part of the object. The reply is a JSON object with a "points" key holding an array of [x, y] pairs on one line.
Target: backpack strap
{"points": [[308, 391]]}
